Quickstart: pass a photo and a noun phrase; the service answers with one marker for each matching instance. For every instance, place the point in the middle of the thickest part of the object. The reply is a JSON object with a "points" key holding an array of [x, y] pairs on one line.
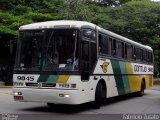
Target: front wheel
{"points": [[98, 96], [50, 105]]}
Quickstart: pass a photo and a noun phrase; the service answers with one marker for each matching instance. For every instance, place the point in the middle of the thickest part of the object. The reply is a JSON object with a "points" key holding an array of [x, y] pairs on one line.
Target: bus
{"points": [[74, 62]]}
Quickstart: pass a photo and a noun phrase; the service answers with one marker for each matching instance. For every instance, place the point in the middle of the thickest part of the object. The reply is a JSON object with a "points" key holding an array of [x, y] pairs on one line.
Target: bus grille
{"points": [[40, 85]]}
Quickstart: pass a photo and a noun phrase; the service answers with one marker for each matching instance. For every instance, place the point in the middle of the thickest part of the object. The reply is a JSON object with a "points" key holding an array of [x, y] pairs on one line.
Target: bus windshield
{"points": [[48, 50]]}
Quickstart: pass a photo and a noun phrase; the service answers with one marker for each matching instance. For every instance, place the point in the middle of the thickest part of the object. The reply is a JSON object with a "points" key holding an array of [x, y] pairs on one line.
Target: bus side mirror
{"points": [[84, 76]]}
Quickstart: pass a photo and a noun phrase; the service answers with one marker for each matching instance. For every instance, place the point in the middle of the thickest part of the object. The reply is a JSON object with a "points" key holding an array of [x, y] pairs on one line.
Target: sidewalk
{"points": [[6, 86], [2, 85]]}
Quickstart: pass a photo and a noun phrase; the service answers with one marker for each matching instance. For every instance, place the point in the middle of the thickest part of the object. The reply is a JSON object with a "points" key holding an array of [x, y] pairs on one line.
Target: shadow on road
{"points": [[73, 109]]}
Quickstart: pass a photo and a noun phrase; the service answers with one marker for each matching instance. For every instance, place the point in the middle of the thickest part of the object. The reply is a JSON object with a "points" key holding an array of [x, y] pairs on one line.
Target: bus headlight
{"points": [[17, 93], [66, 96]]}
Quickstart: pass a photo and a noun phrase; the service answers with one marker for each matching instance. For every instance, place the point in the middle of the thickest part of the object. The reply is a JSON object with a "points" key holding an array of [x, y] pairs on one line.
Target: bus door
{"points": [[88, 57], [88, 53]]}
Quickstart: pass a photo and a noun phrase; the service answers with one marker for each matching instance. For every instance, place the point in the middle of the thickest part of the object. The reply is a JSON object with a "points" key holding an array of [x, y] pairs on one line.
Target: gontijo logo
{"points": [[104, 67], [39, 85]]}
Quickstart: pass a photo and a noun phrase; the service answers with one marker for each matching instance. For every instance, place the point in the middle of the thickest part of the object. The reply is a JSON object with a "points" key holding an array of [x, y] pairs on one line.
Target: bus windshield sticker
{"points": [[62, 65]]}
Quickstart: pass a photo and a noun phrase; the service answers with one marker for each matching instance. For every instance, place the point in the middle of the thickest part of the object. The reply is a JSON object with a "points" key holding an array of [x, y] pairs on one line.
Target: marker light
{"points": [[64, 95]]}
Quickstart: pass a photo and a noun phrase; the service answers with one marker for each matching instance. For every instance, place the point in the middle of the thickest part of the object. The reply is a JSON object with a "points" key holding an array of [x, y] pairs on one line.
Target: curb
{"points": [[156, 86], [6, 86]]}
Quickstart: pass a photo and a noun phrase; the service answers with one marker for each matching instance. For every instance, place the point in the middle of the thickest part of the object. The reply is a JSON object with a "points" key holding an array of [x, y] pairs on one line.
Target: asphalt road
{"points": [[113, 108]]}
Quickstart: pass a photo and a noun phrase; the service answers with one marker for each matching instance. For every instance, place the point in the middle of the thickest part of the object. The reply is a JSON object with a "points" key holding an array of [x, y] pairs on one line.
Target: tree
{"points": [[75, 10], [138, 20], [111, 2], [14, 13]]}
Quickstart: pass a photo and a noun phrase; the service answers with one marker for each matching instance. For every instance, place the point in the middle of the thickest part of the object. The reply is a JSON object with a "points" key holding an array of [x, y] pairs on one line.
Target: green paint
{"points": [[43, 78], [124, 77], [52, 78], [118, 78]]}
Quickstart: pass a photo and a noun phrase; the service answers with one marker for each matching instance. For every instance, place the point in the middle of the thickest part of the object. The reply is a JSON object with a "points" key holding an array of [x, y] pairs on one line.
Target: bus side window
{"points": [[110, 46], [113, 47], [129, 51], [105, 44], [151, 58], [137, 53], [148, 57], [125, 51], [143, 55], [120, 49], [134, 53], [100, 44]]}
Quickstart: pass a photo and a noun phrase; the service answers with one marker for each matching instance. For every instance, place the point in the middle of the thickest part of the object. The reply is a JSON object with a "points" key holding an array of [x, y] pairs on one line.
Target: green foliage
{"points": [[14, 13], [21, 10], [136, 19], [75, 10], [6, 4]]}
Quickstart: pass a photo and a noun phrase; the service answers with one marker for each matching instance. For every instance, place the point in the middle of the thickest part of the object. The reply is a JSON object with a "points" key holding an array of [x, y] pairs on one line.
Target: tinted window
{"points": [[104, 44], [138, 54], [129, 51], [151, 58], [119, 48], [113, 47], [88, 33]]}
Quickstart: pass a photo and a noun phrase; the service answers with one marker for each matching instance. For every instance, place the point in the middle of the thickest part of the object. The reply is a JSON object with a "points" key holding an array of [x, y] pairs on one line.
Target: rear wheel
{"points": [[98, 96], [141, 92]]}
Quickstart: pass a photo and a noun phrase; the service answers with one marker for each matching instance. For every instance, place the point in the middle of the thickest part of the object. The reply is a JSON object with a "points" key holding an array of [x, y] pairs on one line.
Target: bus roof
{"points": [[57, 24], [77, 24]]}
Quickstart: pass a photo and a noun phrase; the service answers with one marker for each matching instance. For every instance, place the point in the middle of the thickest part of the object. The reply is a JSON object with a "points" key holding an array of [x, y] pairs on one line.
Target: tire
{"points": [[50, 105], [141, 92], [98, 96]]}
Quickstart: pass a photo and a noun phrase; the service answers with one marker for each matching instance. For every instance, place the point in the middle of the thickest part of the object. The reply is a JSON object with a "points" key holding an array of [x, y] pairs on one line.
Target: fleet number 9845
{"points": [[25, 78]]}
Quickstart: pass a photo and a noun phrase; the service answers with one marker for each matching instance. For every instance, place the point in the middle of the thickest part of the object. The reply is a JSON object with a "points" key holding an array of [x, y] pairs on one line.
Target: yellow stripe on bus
{"points": [[149, 81], [134, 81], [63, 79]]}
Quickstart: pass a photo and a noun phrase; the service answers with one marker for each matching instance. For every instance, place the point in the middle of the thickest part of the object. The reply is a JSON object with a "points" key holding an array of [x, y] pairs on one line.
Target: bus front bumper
{"points": [[57, 96]]}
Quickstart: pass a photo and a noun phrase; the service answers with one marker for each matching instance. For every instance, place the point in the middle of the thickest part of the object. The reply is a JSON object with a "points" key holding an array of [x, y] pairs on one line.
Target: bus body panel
{"points": [[36, 93], [49, 95], [126, 77], [120, 78]]}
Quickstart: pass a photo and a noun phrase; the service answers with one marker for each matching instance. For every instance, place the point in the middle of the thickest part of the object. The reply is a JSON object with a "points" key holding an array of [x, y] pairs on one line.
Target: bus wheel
{"points": [[98, 96], [50, 105], [141, 92]]}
